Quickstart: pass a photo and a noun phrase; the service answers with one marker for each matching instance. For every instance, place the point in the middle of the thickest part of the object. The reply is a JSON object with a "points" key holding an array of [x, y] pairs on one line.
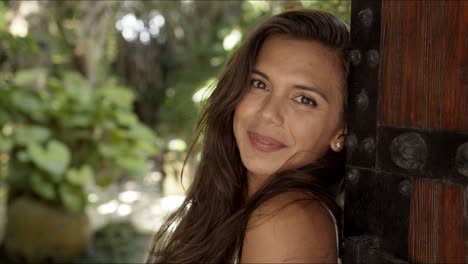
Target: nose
{"points": [[271, 110]]}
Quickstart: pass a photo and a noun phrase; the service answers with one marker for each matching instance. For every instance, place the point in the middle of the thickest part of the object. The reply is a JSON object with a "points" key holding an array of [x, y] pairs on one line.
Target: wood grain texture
{"points": [[437, 223], [425, 59]]}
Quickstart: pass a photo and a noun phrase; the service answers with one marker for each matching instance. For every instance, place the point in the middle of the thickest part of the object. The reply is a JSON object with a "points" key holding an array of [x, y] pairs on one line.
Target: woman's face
{"points": [[291, 114]]}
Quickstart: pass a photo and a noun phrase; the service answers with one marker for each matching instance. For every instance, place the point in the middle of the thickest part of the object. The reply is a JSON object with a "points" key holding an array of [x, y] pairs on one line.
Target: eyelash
{"points": [[253, 81], [310, 102]]}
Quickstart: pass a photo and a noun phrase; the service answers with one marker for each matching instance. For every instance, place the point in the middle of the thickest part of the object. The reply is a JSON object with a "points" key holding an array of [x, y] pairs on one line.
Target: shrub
{"points": [[60, 135]]}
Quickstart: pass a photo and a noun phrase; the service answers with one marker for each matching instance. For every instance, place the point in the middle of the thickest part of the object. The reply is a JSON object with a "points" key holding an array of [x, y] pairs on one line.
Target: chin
{"points": [[258, 168]]}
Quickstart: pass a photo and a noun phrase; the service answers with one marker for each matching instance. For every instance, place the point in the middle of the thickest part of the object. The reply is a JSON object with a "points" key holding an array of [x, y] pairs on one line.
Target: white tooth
{"points": [[266, 142]]}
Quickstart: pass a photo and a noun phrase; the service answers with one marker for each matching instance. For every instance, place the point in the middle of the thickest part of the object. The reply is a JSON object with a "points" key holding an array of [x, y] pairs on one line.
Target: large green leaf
{"points": [[146, 148], [77, 121], [41, 186], [80, 177], [57, 102], [118, 135], [126, 118], [108, 150], [23, 156], [74, 82], [81, 93], [4, 116], [144, 139], [26, 102], [5, 144], [54, 159], [135, 166], [118, 96], [139, 131], [31, 134], [105, 179], [108, 124], [73, 198], [30, 77]]}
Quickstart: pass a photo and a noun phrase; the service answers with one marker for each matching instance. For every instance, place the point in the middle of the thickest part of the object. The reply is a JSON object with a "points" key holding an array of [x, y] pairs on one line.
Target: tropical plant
{"points": [[61, 135]]}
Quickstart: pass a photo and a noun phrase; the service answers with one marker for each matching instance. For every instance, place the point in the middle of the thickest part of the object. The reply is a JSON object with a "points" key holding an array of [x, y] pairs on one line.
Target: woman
{"points": [[272, 161]]}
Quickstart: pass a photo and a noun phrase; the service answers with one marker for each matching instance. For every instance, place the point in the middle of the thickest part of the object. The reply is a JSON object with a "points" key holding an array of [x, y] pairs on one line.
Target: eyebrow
{"points": [[314, 89]]}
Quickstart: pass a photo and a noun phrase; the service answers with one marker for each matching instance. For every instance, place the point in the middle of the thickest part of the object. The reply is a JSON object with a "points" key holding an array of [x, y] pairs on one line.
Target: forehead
{"points": [[309, 53], [301, 60]]}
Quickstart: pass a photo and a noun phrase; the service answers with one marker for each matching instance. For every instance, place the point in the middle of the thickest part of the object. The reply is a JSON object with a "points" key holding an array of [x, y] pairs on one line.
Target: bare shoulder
{"points": [[290, 228]]}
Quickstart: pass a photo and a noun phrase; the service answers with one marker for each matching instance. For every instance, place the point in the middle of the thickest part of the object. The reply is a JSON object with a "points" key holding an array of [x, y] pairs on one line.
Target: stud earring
{"points": [[338, 144]]}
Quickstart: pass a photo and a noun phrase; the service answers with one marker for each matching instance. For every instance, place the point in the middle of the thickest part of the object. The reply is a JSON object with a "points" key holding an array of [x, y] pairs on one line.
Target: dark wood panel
{"points": [[392, 48], [424, 67], [452, 224], [413, 102], [423, 230], [436, 232], [455, 95], [434, 88]]}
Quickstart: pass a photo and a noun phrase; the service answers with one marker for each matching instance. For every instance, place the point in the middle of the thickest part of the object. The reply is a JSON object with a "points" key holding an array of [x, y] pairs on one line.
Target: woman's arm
{"points": [[281, 232]]}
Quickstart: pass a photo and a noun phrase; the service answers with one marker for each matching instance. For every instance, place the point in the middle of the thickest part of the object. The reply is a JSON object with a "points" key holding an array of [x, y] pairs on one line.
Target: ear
{"points": [[338, 140]]}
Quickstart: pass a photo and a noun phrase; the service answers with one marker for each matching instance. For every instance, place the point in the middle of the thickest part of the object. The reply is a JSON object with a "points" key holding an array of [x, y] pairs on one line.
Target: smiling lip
{"points": [[265, 144]]}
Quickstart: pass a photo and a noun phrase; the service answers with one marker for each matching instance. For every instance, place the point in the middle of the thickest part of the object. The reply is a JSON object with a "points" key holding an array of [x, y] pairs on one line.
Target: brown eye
{"points": [[306, 100], [258, 84]]}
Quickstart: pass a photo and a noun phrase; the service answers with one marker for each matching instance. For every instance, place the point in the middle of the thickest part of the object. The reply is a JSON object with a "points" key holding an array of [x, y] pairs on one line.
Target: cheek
{"points": [[305, 134], [245, 110], [241, 115], [236, 123], [309, 135]]}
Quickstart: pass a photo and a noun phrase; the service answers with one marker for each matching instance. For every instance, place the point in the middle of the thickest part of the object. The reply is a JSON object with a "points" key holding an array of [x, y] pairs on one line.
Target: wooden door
{"points": [[407, 173]]}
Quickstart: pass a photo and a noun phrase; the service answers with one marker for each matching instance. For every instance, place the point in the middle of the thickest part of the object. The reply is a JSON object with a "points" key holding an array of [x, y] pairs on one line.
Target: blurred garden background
{"points": [[98, 106]]}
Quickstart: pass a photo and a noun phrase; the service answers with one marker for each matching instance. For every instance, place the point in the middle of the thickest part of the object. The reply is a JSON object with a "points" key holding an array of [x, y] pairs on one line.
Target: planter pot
{"points": [[39, 232]]}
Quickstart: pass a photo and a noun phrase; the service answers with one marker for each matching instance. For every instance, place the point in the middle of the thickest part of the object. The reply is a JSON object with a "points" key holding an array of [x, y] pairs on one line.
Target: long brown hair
{"points": [[210, 224]]}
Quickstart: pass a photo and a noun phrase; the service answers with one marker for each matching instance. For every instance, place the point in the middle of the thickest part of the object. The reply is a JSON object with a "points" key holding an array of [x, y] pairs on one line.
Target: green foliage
{"points": [[72, 197], [186, 61], [340, 8], [62, 134], [201, 54], [91, 129], [3, 10], [117, 242], [52, 159], [41, 186]]}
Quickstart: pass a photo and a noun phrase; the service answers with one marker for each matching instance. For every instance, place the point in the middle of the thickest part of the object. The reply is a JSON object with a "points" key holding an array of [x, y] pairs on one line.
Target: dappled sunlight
{"points": [[172, 202], [129, 196], [177, 145], [124, 210], [108, 208], [145, 210], [204, 92], [99, 102], [133, 28], [19, 26], [231, 40]]}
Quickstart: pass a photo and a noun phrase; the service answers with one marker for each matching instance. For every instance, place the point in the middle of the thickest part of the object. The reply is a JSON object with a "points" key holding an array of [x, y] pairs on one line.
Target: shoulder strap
{"points": [[336, 230]]}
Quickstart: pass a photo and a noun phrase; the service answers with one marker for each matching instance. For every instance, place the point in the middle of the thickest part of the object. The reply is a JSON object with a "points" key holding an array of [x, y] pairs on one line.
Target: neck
{"points": [[255, 182]]}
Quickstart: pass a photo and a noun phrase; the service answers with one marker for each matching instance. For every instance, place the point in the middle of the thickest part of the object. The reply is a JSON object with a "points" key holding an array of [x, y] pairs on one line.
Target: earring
{"points": [[338, 146]]}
